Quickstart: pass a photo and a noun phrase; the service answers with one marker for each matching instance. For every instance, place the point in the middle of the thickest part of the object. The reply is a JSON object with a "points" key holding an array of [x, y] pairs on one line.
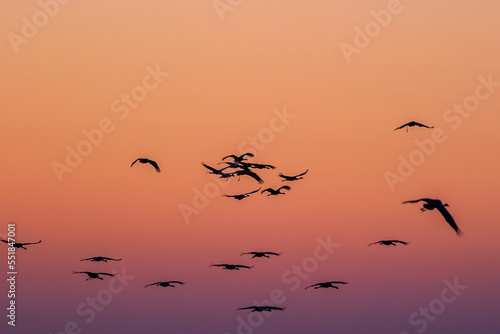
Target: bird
{"points": [[431, 204], [389, 242], [275, 192], [258, 166], [249, 173], [99, 259], [413, 123], [214, 170], [147, 161], [325, 285], [20, 244], [93, 275], [165, 284], [261, 254], [262, 308], [239, 158], [292, 178], [239, 197], [231, 266]]}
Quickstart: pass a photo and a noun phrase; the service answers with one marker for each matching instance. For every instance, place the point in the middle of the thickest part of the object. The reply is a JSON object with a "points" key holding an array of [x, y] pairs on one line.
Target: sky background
{"points": [[231, 71]]}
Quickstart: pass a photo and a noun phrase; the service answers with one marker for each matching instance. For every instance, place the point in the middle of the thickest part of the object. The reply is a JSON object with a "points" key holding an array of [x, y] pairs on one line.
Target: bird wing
{"points": [[230, 156], [251, 192], [135, 162], [247, 308], [402, 126], [4, 241], [108, 258], [152, 284], [82, 272], [255, 176], [106, 274], [31, 243], [155, 165], [422, 125], [284, 187], [90, 258], [401, 242], [373, 243], [246, 154], [253, 253], [302, 173], [337, 282], [310, 286], [272, 253], [282, 175], [219, 265], [276, 308], [268, 189], [178, 282], [418, 200], [242, 266], [447, 216]]}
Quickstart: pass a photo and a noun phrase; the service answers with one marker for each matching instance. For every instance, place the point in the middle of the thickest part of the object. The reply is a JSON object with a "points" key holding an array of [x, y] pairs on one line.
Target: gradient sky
{"points": [[229, 73]]}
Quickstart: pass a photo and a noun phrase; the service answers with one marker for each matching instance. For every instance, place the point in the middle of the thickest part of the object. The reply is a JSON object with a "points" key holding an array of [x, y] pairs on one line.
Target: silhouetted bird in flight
{"points": [[292, 178], [92, 275], [214, 170], [262, 308], [231, 266], [325, 285], [413, 123], [261, 254], [147, 161], [249, 173], [431, 204], [99, 259], [165, 284], [239, 158], [275, 192], [241, 196], [21, 244], [388, 242]]}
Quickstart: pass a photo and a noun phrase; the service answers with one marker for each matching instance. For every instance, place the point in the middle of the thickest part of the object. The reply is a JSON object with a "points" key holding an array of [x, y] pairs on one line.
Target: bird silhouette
{"points": [[100, 259], [292, 178], [92, 275], [214, 170], [275, 192], [239, 158], [413, 123], [239, 197], [147, 161], [258, 166], [262, 308], [165, 284], [431, 204], [21, 244], [388, 242], [261, 254], [231, 266], [325, 285]]}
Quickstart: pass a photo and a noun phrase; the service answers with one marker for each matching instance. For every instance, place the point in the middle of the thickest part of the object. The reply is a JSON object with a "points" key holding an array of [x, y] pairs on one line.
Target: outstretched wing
{"points": [[251, 192], [230, 156], [422, 125], [254, 176], [402, 126], [225, 195], [401, 242], [82, 272], [135, 162], [284, 187], [31, 243], [447, 216], [310, 286], [242, 266], [106, 274], [219, 265], [338, 282], [283, 176], [152, 284], [90, 258], [246, 154], [268, 189], [4, 241], [373, 243], [272, 253], [108, 258], [251, 253], [213, 170], [418, 200], [247, 308], [302, 173], [276, 308], [155, 165], [178, 282]]}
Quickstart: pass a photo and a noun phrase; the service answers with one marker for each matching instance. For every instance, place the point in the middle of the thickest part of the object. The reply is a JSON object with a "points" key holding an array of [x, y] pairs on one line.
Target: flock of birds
{"points": [[238, 166]]}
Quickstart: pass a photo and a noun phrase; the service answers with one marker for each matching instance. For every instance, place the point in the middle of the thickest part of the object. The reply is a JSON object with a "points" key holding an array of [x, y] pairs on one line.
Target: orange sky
{"points": [[227, 80]]}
